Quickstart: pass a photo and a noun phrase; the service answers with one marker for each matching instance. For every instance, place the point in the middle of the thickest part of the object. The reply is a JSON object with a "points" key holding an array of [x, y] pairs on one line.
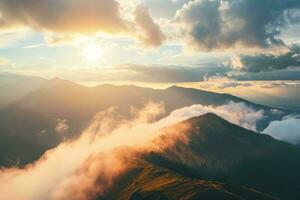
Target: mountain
{"points": [[220, 151], [34, 116], [152, 182], [14, 87], [25, 135], [77, 103], [220, 161], [66, 93]]}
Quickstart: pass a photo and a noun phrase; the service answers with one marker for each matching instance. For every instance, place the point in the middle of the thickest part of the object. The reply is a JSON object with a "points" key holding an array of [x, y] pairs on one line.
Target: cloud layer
{"points": [[287, 129]]}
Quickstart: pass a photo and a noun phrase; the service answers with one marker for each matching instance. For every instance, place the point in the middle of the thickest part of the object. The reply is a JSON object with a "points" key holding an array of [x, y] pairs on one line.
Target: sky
{"points": [[152, 41]]}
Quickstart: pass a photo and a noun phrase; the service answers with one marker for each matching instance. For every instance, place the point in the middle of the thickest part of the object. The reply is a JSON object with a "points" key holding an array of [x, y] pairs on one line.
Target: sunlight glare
{"points": [[92, 53]]}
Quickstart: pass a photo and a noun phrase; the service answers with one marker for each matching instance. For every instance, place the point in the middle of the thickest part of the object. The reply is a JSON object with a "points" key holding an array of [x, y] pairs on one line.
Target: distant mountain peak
{"points": [[173, 87], [56, 79], [59, 80], [207, 118]]}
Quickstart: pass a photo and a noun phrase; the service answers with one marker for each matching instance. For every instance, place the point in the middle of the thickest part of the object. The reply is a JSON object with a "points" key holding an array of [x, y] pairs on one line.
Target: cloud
{"points": [[130, 72], [164, 9], [283, 66], [64, 15], [163, 73], [287, 129], [4, 62], [216, 24], [266, 63], [285, 74], [234, 84], [63, 20], [273, 85], [150, 33], [237, 113], [33, 46], [62, 126], [224, 82], [9, 38], [90, 164]]}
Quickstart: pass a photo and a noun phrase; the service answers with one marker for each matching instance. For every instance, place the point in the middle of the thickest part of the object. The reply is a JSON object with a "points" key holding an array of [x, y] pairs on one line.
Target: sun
{"points": [[92, 53]]}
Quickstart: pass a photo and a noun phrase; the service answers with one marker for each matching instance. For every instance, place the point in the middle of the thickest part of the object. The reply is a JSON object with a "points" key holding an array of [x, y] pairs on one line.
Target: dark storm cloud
{"points": [[223, 24]]}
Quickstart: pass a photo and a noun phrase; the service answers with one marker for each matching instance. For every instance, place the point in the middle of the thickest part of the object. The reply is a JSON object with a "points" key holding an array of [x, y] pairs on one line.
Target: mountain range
{"points": [[30, 118], [219, 160]]}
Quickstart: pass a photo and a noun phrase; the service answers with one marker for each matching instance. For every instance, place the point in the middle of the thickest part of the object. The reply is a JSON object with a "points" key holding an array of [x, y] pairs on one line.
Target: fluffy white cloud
{"points": [[237, 113], [287, 129]]}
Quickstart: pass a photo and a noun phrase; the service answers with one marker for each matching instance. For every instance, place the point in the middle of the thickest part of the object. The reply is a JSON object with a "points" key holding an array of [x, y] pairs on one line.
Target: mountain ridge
{"points": [[76, 104], [218, 150], [159, 175]]}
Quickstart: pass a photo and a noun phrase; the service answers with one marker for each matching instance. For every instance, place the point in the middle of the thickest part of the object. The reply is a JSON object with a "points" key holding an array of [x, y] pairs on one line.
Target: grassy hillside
{"points": [[152, 182]]}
